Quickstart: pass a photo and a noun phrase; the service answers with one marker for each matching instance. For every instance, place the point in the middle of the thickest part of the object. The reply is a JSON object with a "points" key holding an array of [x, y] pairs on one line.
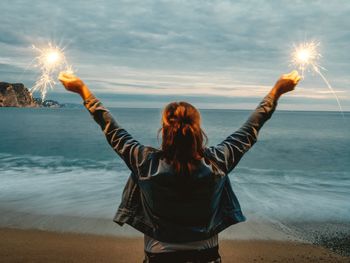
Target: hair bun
{"points": [[186, 128], [182, 116]]}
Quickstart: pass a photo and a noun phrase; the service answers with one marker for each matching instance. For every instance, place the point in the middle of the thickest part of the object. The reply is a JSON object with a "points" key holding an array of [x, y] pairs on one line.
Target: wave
{"points": [[55, 185], [293, 195], [9, 161]]}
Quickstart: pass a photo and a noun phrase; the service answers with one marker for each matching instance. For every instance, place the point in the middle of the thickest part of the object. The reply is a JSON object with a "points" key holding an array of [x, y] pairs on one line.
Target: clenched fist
{"points": [[74, 84], [286, 83]]}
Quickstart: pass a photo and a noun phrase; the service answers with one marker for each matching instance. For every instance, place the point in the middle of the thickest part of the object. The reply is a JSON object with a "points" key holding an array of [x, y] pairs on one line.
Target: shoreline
{"points": [[31, 245], [334, 236], [248, 230]]}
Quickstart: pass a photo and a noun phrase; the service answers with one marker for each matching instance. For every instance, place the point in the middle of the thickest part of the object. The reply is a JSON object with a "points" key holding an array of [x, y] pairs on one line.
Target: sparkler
{"points": [[50, 61], [306, 57]]}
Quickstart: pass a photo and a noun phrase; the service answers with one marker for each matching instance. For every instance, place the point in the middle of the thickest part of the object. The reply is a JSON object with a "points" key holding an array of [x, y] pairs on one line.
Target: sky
{"points": [[214, 54]]}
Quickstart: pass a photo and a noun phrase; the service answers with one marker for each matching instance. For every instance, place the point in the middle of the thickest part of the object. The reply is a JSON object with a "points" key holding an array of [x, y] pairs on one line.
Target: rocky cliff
{"points": [[15, 95]]}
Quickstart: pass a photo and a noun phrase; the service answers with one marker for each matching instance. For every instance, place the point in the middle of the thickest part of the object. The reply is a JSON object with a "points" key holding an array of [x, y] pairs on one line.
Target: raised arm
{"points": [[229, 152], [129, 149]]}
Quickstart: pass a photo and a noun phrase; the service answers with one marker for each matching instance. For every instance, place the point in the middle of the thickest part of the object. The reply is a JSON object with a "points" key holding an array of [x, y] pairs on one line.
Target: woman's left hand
{"points": [[71, 82], [74, 84]]}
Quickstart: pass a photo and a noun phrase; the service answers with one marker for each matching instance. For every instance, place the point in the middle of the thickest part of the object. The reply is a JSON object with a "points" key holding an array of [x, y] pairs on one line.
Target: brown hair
{"points": [[183, 139]]}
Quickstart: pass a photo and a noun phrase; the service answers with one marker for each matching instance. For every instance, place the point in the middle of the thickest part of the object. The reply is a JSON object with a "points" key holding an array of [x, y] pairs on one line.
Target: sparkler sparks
{"points": [[306, 57], [50, 61]]}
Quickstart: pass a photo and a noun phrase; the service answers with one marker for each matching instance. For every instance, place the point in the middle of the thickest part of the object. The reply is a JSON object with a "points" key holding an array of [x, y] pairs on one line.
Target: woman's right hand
{"points": [[286, 83]]}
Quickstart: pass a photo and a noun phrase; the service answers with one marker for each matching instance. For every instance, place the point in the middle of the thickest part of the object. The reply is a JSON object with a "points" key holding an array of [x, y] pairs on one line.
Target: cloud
{"points": [[211, 47]]}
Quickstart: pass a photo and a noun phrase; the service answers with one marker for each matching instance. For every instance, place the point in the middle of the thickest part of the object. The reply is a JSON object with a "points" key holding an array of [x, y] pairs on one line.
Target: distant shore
{"points": [[18, 245]]}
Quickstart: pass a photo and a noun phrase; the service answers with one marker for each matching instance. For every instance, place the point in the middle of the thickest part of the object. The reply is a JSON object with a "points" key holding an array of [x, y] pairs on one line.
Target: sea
{"points": [[57, 172]]}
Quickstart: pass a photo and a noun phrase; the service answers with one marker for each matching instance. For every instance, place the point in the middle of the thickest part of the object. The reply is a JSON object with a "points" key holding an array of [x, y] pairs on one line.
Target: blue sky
{"points": [[215, 54]]}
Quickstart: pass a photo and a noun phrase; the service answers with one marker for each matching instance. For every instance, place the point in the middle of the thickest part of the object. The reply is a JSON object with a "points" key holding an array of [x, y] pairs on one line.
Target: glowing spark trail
{"points": [[50, 61], [306, 58]]}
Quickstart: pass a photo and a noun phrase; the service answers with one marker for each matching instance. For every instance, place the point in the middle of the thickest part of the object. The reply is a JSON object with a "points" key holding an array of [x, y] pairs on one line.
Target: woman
{"points": [[180, 196]]}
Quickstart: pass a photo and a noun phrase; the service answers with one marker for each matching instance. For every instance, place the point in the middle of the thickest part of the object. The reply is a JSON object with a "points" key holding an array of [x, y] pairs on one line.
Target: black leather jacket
{"points": [[171, 208]]}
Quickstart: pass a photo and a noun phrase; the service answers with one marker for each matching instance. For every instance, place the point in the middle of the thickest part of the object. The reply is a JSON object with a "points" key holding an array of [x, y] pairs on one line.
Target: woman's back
{"points": [[185, 200]]}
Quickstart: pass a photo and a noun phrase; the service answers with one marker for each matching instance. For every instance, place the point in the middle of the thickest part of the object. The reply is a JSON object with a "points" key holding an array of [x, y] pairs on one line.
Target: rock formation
{"points": [[15, 95], [48, 103]]}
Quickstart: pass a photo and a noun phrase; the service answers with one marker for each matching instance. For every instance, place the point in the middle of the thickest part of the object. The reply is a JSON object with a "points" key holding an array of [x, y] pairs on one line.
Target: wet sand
{"points": [[18, 245]]}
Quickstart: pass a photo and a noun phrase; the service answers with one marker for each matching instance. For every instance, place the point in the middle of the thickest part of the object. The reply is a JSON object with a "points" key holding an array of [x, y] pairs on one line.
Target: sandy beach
{"points": [[18, 245]]}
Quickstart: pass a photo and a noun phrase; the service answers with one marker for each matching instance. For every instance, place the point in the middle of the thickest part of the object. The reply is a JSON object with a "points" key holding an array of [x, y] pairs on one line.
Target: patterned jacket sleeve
{"points": [[229, 152], [129, 149]]}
